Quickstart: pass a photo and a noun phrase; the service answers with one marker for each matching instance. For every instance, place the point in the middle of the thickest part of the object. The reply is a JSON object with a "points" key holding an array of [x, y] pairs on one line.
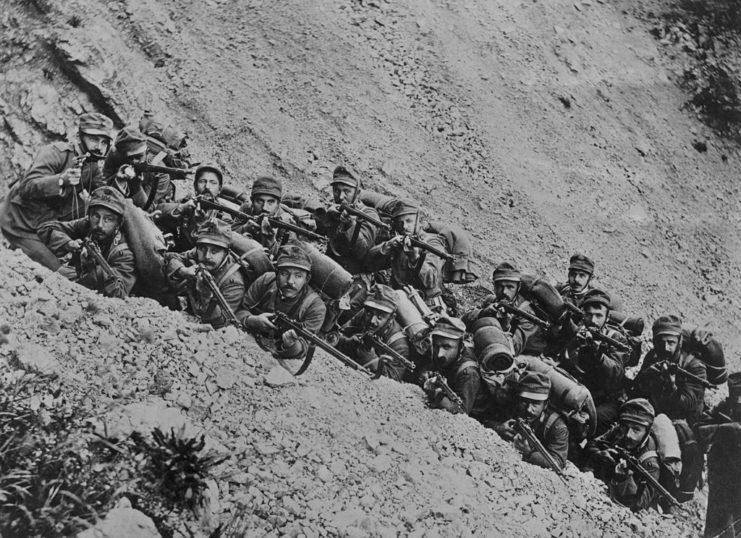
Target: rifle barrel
{"points": [[174, 173], [376, 341], [94, 250], [211, 283], [416, 242], [523, 314], [361, 215], [526, 431]]}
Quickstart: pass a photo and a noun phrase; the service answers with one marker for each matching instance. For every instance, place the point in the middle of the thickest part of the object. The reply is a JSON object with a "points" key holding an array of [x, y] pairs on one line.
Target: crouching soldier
{"points": [[548, 426], [101, 257], [630, 439], [375, 326], [211, 259], [286, 291], [453, 381]]}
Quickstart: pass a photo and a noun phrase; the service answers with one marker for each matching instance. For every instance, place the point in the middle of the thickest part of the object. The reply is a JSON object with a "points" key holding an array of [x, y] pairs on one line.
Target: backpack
{"points": [[165, 141]]}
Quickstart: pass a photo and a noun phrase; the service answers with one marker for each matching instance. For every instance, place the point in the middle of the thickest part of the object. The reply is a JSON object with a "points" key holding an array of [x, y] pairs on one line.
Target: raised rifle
{"points": [[206, 203], [94, 250], [284, 322], [599, 336], [519, 312], [211, 283], [674, 369], [174, 173], [415, 241], [634, 464], [524, 429], [375, 341], [363, 216], [438, 381]]}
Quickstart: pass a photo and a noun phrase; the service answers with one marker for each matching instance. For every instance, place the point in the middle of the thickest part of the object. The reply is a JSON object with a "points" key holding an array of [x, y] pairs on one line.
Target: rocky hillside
{"points": [[542, 127]]}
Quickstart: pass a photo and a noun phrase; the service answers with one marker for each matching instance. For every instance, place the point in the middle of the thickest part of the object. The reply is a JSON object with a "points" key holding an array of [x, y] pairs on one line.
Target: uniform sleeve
{"points": [[124, 274], [254, 296], [689, 395], [56, 234], [175, 261], [379, 257], [312, 318], [395, 369], [556, 443], [233, 292], [431, 271], [633, 491], [41, 181], [366, 237], [524, 329], [466, 385]]}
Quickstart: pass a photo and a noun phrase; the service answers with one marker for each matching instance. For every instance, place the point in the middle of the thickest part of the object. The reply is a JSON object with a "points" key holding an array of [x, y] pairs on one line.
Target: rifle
{"points": [[437, 381], [361, 215], [276, 223], [211, 283], [281, 320], [674, 368], [415, 241], [94, 250], [373, 339], [640, 469], [602, 337], [524, 429], [174, 173], [519, 312]]}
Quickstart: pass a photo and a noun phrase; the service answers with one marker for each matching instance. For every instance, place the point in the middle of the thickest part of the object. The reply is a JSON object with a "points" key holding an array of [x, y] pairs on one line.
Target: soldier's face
{"points": [[376, 319], [666, 345], [578, 280], [104, 223], [405, 224], [291, 281], [506, 290], [208, 182], [264, 203], [211, 256], [528, 409], [444, 351], [343, 193], [595, 315], [632, 435], [137, 158], [97, 145]]}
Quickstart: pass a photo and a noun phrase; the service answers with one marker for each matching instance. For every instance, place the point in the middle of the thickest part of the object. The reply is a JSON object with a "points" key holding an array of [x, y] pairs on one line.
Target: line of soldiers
{"points": [[543, 365]]}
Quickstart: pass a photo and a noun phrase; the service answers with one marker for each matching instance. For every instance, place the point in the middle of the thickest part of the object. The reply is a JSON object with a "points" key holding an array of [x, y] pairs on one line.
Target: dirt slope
{"points": [[542, 127]]}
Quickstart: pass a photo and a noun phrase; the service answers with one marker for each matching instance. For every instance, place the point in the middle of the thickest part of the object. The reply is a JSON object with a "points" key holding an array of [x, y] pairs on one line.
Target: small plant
{"points": [[176, 466]]}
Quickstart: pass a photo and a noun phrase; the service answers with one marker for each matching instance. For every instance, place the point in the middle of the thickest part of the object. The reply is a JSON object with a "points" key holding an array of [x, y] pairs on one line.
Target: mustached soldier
{"points": [[377, 319], [579, 282], [212, 254], [56, 187], [286, 291], [102, 226]]}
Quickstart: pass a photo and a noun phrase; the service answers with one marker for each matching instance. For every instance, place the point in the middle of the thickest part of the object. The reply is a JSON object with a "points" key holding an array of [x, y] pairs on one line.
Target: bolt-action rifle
{"points": [[519, 312], [206, 203], [211, 283], [436, 380], [527, 432], [673, 368], [284, 322], [596, 334], [636, 466], [374, 340], [94, 250], [352, 210], [174, 173]]}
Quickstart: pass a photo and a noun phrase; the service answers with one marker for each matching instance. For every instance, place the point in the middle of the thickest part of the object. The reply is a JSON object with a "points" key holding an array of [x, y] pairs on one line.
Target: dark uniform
{"points": [[227, 276], [58, 236], [38, 197]]}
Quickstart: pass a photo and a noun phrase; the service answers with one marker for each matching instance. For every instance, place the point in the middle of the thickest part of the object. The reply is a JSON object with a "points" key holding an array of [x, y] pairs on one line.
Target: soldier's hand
{"points": [[521, 444], [204, 291], [606, 457], [392, 244], [506, 429], [70, 177], [125, 172], [346, 221], [622, 470], [187, 207], [260, 323], [188, 273], [289, 338], [265, 227], [75, 245]]}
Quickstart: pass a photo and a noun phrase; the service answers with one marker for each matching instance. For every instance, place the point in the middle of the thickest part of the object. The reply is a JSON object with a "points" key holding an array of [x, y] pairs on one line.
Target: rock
{"points": [[279, 377], [379, 463], [226, 377], [122, 522], [37, 358]]}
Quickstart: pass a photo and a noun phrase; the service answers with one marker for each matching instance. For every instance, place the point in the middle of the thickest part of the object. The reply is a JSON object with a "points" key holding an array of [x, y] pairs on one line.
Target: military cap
{"points": [[596, 296], [734, 388], [534, 386], [343, 176], [94, 123], [109, 198], [638, 410], [449, 327], [507, 272], [213, 232], [292, 255], [209, 167], [382, 297], [580, 262], [669, 325], [130, 141], [268, 185], [401, 208]]}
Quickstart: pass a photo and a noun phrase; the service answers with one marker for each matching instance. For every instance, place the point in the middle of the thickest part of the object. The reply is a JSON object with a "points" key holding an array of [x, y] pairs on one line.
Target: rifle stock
{"points": [[519, 312], [94, 250], [601, 337], [174, 173], [437, 380], [211, 283], [675, 368], [417, 242], [388, 350], [527, 432], [363, 216]]}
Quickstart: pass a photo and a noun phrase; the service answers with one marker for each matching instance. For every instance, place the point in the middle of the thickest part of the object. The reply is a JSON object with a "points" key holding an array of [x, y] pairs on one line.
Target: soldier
{"points": [[453, 364], [376, 319], [579, 283], [102, 229], [721, 431], [671, 377], [56, 186], [186, 217], [411, 265], [632, 433], [287, 291], [594, 362], [129, 147], [527, 338], [531, 406], [212, 254]]}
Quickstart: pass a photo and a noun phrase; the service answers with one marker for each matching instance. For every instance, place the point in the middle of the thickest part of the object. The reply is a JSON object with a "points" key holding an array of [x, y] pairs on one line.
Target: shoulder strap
{"points": [[647, 456], [396, 336], [552, 418], [233, 268], [466, 364]]}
